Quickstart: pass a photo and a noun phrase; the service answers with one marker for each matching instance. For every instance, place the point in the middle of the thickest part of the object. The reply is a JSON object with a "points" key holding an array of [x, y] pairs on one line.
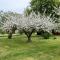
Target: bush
{"points": [[40, 32], [44, 34], [2, 32]]}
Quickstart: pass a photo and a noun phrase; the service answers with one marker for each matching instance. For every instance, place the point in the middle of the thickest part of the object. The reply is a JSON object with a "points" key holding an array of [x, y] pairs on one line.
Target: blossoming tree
{"points": [[29, 24]]}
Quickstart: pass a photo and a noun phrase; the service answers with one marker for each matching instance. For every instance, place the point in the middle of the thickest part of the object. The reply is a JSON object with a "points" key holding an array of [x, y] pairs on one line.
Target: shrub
{"points": [[44, 34]]}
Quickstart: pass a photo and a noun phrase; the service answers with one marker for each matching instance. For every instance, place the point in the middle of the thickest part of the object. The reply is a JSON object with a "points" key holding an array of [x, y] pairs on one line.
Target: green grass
{"points": [[39, 49]]}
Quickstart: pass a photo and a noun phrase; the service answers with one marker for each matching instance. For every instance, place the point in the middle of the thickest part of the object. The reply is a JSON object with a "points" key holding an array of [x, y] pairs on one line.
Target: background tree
{"points": [[43, 5], [27, 11]]}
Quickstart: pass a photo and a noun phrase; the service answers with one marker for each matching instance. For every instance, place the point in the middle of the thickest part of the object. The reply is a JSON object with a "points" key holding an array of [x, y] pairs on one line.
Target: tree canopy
{"points": [[43, 5]]}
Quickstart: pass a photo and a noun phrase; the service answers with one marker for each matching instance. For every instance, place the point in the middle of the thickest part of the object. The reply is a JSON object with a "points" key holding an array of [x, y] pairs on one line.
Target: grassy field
{"points": [[39, 49]]}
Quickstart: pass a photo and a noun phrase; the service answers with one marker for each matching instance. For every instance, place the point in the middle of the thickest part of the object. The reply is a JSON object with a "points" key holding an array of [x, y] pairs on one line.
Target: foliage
{"points": [[1, 31], [44, 34], [27, 11], [29, 24], [4, 16], [42, 5]]}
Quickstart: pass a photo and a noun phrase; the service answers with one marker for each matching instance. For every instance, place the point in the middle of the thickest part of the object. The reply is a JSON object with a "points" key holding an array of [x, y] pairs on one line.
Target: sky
{"points": [[14, 5]]}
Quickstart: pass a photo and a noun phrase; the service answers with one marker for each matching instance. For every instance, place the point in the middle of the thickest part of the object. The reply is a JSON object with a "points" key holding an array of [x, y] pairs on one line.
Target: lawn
{"points": [[39, 49]]}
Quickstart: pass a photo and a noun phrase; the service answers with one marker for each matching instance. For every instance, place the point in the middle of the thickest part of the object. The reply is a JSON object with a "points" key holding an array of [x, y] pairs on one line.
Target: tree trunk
{"points": [[29, 38], [9, 35], [28, 34]]}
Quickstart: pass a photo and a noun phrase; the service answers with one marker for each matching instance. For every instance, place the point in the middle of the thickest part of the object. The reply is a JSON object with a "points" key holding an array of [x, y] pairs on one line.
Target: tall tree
{"points": [[43, 5]]}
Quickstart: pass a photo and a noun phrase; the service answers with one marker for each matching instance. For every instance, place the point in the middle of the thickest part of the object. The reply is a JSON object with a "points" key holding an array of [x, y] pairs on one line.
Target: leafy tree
{"points": [[27, 11], [43, 6]]}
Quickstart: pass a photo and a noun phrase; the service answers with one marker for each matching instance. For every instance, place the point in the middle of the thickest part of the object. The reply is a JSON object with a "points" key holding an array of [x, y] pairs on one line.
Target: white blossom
{"points": [[33, 21]]}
